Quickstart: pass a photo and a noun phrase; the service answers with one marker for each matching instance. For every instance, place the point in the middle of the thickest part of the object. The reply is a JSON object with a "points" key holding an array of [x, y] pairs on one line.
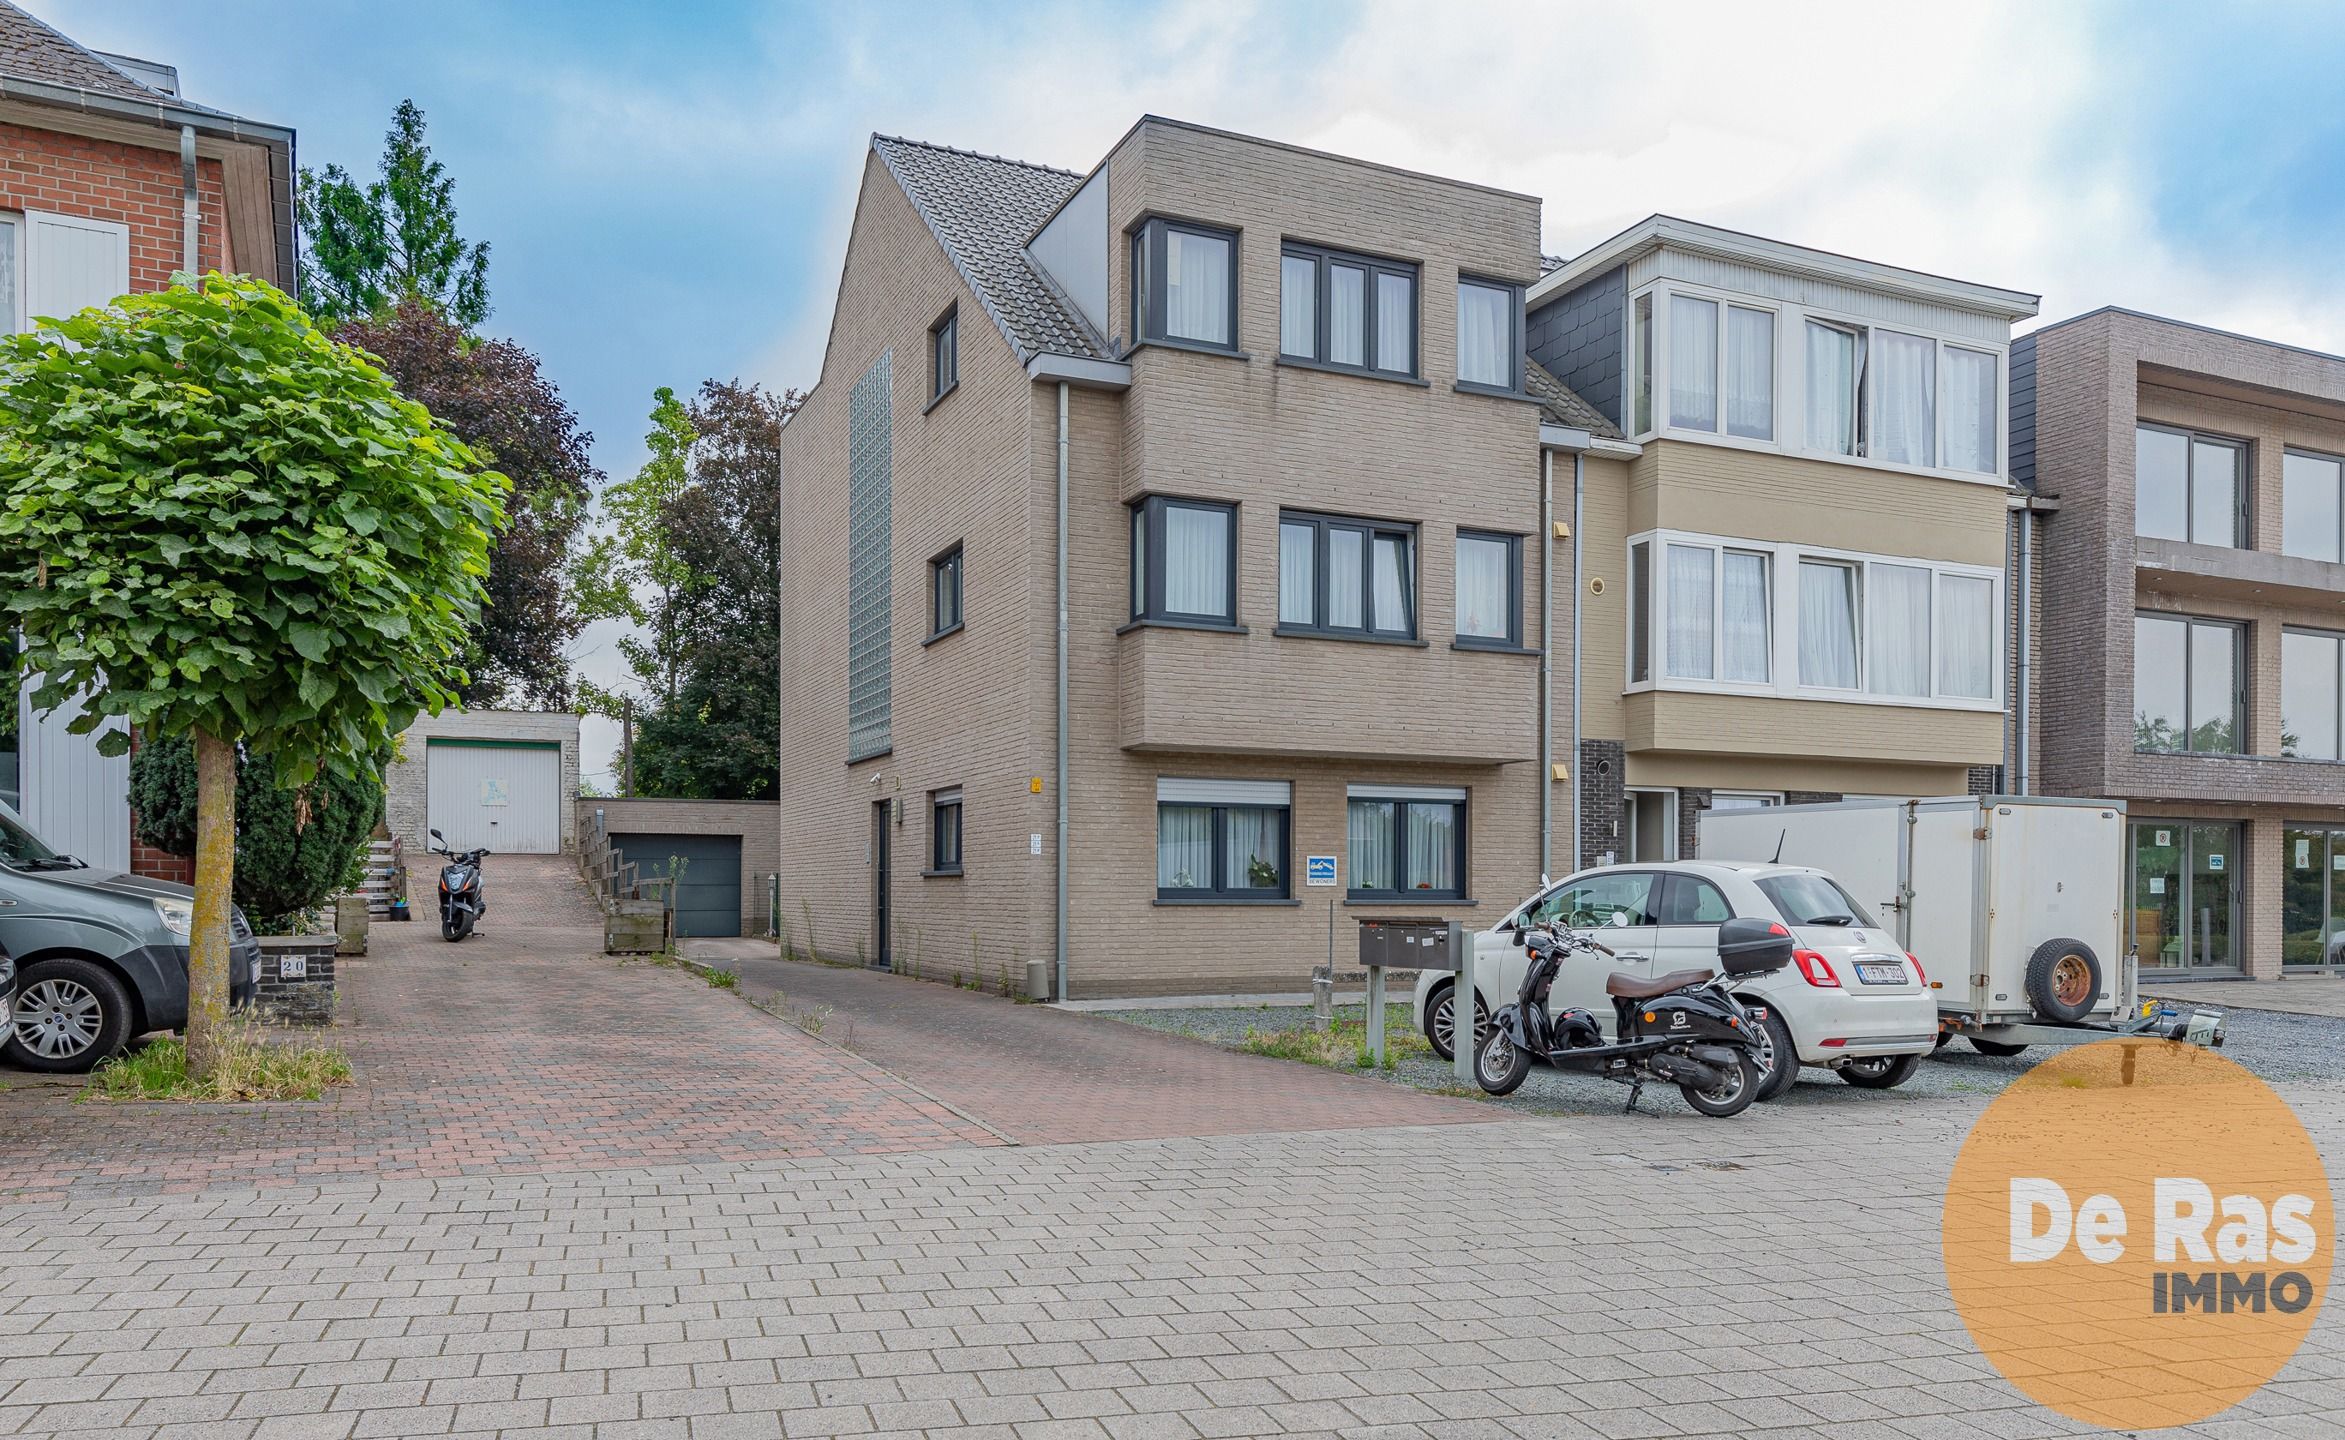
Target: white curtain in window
{"points": [[1689, 644], [1750, 373], [1693, 363], [1482, 585], [1396, 322], [1897, 630], [1905, 421], [1745, 636], [1298, 306], [1966, 637], [1251, 860], [1391, 578], [1344, 586], [1196, 561], [1831, 390], [1347, 315], [1971, 409], [1184, 847], [1368, 825], [1432, 846], [1296, 601], [1484, 329], [1827, 625], [1196, 287]]}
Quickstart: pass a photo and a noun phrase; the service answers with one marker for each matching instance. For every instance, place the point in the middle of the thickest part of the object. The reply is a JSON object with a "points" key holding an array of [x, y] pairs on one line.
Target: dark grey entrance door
{"points": [[708, 892], [882, 901]]}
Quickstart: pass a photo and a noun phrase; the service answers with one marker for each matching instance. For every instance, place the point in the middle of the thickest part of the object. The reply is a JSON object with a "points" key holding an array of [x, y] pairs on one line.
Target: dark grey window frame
{"points": [[2242, 482], [1369, 531], [2239, 664], [1514, 598], [2303, 453], [2336, 692], [1148, 300], [1148, 606], [1219, 894], [944, 355], [1400, 848], [947, 562], [1512, 390], [1324, 258], [940, 801]]}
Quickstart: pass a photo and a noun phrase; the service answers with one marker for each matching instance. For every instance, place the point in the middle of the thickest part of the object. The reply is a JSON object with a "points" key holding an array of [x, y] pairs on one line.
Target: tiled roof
{"points": [[1560, 405], [1549, 264], [982, 209], [30, 50]]}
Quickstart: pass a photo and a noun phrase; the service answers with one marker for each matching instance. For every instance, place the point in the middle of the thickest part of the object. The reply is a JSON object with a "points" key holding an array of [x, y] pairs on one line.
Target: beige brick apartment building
{"points": [[1304, 563], [2193, 604], [1795, 589]]}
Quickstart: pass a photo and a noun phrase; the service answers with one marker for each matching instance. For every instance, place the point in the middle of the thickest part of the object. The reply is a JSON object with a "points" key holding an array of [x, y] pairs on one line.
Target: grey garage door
{"points": [[708, 901]]}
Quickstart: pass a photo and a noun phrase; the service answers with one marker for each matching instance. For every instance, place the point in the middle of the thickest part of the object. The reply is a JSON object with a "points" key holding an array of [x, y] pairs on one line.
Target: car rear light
{"points": [[1836, 1042], [1816, 969], [1918, 972]]}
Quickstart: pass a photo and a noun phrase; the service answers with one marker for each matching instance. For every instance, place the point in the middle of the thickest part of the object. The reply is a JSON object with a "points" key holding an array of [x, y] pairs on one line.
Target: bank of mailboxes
{"points": [[1406, 944]]}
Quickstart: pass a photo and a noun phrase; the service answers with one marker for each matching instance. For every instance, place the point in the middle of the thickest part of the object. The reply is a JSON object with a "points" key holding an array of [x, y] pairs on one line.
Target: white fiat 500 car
{"points": [[1851, 1001]]}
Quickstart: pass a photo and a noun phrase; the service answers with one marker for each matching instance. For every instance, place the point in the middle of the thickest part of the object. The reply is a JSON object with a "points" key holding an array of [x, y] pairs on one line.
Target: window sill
{"points": [[1224, 900], [1491, 647], [1217, 626], [2227, 755], [1194, 347], [1451, 901], [940, 397], [1495, 392], [953, 874], [874, 755], [1306, 632], [1358, 372], [953, 629]]}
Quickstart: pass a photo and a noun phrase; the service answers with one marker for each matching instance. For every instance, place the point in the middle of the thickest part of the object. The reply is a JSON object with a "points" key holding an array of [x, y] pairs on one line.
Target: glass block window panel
{"points": [[870, 577]]}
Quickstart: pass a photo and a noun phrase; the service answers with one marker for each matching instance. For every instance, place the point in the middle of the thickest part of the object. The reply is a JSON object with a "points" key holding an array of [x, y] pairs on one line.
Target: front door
{"points": [[1652, 826], [2312, 897], [882, 896], [2184, 905]]}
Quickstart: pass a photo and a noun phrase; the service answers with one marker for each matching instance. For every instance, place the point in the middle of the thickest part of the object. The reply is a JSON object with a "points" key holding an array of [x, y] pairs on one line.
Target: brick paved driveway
{"points": [[522, 1048], [1046, 1076]]}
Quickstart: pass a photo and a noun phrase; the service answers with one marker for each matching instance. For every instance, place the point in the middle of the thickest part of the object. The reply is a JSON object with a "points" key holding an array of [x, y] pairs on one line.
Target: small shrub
{"points": [[249, 1068], [722, 979]]}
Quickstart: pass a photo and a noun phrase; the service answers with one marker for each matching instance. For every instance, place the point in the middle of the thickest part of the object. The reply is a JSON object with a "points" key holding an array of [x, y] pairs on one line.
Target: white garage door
{"points": [[505, 794]]}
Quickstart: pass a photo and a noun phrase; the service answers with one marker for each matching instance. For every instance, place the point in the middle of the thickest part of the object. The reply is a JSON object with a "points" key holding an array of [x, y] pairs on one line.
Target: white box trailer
{"points": [[2013, 904]]}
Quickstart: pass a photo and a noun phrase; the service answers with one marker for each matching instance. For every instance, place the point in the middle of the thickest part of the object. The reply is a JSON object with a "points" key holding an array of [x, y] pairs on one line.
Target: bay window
{"points": [[1693, 363], [2310, 694], [1406, 842], [1704, 614], [1641, 363], [1973, 405], [1721, 367], [2188, 691], [1342, 576], [2310, 511], [1836, 389], [1905, 422], [1222, 840], [1750, 373], [1184, 561], [1184, 284]]}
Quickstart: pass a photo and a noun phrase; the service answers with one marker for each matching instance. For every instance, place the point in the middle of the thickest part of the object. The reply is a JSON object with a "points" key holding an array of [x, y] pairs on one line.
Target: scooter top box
{"points": [[1753, 947]]}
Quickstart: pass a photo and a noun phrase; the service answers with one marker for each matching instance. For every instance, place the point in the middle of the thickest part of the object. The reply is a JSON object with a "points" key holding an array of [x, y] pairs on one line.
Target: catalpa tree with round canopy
{"points": [[216, 521]]}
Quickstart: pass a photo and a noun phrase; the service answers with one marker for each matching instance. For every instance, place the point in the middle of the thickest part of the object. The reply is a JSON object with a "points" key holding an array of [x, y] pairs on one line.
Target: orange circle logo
{"points": [[2137, 1233]]}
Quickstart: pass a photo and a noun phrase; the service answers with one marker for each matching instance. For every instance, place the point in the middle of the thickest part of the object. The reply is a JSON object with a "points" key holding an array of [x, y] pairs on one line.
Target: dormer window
{"points": [[1184, 285]]}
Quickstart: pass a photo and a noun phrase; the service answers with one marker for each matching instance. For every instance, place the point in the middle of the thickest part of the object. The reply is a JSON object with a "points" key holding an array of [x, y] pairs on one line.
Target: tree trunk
{"points": [[215, 873]]}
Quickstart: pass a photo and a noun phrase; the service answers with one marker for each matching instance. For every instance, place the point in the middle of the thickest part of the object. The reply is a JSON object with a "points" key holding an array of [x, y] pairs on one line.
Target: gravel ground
{"points": [[2284, 1049]]}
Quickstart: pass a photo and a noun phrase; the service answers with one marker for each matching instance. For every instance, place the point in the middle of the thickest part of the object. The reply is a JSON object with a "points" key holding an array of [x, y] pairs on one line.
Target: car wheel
{"points": [[1880, 1072], [1441, 1019], [1778, 1057], [1996, 1048], [70, 1015], [1738, 1092], [1499, 1064]]}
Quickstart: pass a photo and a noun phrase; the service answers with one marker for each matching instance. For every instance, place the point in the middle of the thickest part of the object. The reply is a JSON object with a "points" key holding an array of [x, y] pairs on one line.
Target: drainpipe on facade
{"points": [[2023, 593], [1546, 658], [1059, 782], [1579, 475], [190, 211]]}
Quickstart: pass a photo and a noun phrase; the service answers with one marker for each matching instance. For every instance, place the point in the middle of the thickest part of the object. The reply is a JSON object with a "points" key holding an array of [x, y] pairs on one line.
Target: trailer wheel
{"points": [[1997, 1048], [2064, 980]]}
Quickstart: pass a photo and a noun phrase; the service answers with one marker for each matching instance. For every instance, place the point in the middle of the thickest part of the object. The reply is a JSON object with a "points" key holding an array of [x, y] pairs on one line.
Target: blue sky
{"points": [[666, 187]]}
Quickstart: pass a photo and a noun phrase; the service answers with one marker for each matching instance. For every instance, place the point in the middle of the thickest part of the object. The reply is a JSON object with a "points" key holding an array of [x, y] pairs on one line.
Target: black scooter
{"points": [[1683, 1028], [461, 904]]}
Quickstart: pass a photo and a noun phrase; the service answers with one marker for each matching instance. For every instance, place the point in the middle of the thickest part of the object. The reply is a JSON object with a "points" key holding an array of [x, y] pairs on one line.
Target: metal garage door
{"points": [[708, 901], [505, 794]]}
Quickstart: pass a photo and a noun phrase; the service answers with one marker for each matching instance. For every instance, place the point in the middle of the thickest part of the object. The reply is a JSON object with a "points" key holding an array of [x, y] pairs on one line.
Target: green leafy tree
{"points": [[218, 522], [368, 247], [295, 847], [632, 569]]}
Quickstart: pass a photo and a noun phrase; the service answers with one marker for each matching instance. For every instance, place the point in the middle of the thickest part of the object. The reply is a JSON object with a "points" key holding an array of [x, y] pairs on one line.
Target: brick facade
{"points": [[134, 185]]}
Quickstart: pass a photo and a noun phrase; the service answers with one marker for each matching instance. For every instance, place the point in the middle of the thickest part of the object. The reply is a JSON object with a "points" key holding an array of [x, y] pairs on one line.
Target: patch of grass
{"points": [[722, 979], [1345, 1043], [250, 1068]]}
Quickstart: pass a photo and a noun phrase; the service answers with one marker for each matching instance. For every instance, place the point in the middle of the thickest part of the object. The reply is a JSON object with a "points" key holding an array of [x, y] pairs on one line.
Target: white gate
{"points": [[504, 794]]}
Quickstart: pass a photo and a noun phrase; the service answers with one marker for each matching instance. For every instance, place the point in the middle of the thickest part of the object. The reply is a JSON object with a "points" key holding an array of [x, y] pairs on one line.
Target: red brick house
{"points": [[110, 182]]}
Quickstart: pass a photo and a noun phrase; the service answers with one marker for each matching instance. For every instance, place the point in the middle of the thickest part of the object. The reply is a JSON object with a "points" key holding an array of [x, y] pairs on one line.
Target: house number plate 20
{"points": [[293, 967]]}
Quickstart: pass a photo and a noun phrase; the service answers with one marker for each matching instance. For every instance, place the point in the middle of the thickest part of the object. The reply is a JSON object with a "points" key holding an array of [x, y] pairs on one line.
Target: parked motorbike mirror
{"points": [[437, 836], [1522, 938]]}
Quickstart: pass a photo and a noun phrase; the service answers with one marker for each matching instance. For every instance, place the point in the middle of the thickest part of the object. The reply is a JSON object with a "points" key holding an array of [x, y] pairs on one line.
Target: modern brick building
{"points": [[111, 181], [2192, 612]]}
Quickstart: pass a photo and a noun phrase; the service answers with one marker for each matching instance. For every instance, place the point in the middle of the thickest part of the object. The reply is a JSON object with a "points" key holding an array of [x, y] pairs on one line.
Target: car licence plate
{"points": [[1880, 972]]}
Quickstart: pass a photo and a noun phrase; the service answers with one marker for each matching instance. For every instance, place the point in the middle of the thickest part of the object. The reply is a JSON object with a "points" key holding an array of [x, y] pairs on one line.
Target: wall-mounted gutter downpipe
{"points": [[1059, 780], [1547, 657], [2024, 510], [1579, 589], [191, 215]]}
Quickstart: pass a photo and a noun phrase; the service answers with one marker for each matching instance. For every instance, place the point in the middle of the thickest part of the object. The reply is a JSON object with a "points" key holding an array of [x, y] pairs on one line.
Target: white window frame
{"points": [[1791, 379], [1783, 620], [14, 323]]}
